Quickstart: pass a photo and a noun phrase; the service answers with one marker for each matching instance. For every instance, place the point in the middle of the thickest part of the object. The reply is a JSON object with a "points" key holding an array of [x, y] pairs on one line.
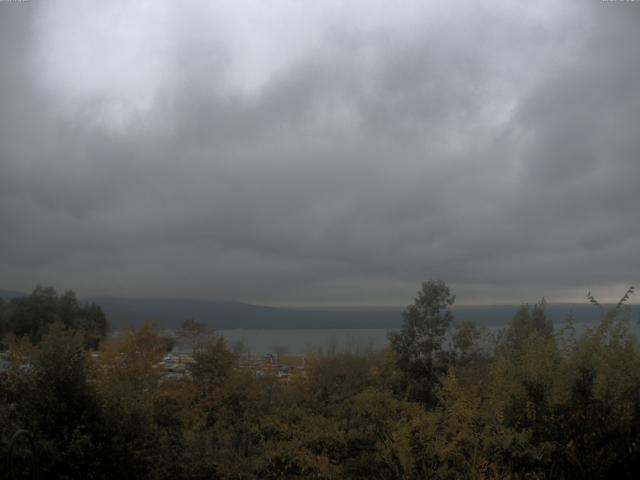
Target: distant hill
{"points": [[169, 313], [9, 294], [558, 312], [222, 315]]}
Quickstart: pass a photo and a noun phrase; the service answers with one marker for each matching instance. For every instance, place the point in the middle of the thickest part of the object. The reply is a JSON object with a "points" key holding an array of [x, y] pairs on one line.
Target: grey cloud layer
{"points": [[500, 156]]}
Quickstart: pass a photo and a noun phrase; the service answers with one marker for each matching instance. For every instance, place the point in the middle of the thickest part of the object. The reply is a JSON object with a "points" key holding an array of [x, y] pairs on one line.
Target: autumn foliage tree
{"points": [[540, 402], [194, 334]]}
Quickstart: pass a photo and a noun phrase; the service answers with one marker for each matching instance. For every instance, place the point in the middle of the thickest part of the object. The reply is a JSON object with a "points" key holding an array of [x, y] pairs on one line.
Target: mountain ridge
{"points": [[124, 312]]}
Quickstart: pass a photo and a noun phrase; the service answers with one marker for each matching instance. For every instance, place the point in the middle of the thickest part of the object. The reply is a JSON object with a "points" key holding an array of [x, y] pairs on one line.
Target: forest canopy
{"points": [[443, 400], [33, 315]]}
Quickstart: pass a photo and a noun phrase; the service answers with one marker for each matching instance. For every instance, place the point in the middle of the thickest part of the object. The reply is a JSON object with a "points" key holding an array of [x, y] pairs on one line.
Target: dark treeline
{"points": [[31, 316], [440, 402]]}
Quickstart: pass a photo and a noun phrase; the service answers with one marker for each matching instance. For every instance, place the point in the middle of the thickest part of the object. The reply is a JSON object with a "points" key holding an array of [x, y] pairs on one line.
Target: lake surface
{"points": [[305, 341], [302, 342]]}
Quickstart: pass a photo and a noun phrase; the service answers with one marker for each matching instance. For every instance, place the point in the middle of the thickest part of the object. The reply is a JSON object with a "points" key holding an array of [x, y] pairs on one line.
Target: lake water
{"points": [[302, 342]]}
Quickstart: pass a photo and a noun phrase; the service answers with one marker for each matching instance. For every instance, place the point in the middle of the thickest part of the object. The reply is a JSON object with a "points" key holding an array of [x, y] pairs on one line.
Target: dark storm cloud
{"points": [[492, 147]]}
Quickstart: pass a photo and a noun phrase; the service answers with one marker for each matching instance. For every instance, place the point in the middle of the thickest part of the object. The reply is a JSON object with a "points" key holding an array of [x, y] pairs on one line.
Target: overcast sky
{"points": [[320, 152]]}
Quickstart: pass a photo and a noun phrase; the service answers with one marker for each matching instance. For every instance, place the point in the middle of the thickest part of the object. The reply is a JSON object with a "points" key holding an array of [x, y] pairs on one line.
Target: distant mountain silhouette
{"points": [[169, 313], [9, 294]]}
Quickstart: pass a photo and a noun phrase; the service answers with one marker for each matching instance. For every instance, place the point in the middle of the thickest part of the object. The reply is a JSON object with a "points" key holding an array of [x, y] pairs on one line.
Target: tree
{"points": [[127, 378], [526, 323], [465, 341], [418, 344], [131, 362], [93, 322], [33, 315], [193, 334], [214, 362], [59, 405]]}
